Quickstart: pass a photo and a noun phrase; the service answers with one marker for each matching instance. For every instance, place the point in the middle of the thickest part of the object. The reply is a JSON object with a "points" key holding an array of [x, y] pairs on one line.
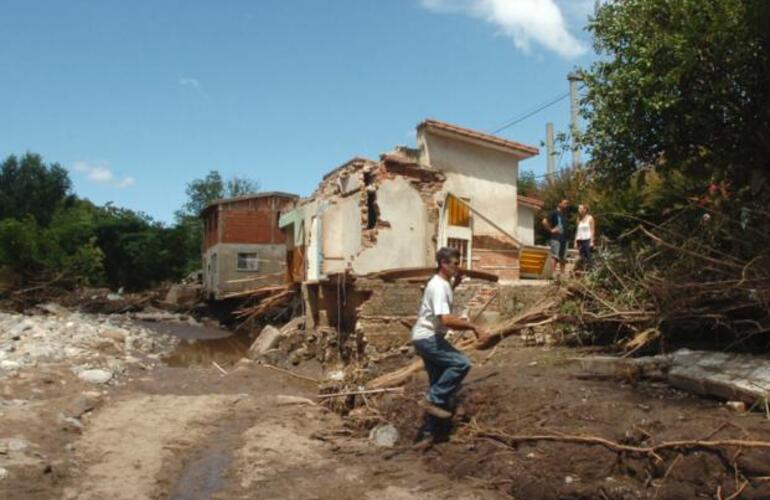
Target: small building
{"points": [[457, 188], [243, 247]]}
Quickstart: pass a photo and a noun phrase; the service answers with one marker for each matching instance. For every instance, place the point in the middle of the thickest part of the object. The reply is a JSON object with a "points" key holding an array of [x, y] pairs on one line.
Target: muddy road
{"points": [[182, 429]]}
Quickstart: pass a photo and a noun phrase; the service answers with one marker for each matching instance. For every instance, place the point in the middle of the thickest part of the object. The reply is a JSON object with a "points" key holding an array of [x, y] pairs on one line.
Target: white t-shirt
{"points": [[436, 301]]}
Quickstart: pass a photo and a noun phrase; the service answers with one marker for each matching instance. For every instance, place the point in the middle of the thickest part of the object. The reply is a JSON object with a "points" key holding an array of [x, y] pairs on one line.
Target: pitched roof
{"points": [[530, 201], [522, 149]]}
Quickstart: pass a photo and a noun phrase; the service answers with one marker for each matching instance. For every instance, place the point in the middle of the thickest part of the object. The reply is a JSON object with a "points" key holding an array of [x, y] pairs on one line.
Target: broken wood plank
{"points": [[411, 273]]}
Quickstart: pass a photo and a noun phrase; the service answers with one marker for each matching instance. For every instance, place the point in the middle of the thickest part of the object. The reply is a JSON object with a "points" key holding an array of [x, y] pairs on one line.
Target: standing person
{"points": [[584, 237], [446, 366], [556, 224]]}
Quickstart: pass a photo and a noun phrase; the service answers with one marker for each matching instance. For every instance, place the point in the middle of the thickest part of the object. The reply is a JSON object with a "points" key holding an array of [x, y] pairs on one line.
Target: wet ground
{"points": [[185, 430]]}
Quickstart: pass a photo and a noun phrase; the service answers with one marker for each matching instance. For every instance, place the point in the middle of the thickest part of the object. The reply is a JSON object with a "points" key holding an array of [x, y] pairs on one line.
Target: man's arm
{"points": [[457, 323]]}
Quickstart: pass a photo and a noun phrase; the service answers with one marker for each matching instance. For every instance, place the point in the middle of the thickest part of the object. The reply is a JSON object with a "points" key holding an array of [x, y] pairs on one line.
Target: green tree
{"points": [[527, 183], [681, 85], [30, 186]]}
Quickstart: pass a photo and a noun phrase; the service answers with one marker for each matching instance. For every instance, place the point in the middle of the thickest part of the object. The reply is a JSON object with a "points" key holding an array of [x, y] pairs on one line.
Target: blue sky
{"points": [[138, 98]]}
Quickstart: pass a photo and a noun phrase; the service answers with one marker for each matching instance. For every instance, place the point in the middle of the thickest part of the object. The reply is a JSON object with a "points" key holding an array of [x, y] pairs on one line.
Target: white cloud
{"points": [[102, 174], [525, 21], [186, 81]]}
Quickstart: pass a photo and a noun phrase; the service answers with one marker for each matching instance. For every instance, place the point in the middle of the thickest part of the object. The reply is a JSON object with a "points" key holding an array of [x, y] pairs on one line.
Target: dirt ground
{"points": [[536, 391], [190, 432]]}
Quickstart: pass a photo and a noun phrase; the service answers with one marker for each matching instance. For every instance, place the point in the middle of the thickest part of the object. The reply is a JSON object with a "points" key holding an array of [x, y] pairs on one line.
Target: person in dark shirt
{"points": [[556, 225]]}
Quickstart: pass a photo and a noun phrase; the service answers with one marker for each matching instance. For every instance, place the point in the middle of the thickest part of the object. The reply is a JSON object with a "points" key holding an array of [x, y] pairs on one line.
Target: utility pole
{"points": [[573, 79], [551, 154]]}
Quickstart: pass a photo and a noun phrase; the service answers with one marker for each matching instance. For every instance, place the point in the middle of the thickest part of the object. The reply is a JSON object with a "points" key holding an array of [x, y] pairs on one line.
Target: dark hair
{"points": [[446, 253]]}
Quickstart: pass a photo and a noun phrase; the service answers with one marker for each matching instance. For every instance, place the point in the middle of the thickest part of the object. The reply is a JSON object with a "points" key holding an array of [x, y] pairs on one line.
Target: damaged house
{"points": [[456, 188], [364, 242], [242, 243]]}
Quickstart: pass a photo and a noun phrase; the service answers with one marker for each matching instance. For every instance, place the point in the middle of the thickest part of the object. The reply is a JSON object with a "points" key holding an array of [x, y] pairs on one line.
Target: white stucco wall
{"points": [[342, 233], [526, 224], [487, 176], [405, 243]]}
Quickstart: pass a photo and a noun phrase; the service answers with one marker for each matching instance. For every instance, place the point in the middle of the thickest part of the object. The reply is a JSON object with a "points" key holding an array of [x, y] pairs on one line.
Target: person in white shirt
{"points": [[446, 366], [585, 235]]}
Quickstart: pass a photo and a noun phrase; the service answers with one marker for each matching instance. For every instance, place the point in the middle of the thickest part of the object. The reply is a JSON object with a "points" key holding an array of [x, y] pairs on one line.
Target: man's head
{"points": [[563, 204], [448, 261]]}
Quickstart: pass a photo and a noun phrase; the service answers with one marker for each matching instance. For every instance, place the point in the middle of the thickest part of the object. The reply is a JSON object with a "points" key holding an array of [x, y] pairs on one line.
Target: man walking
{"points": [[556, 224], [446, 366]]}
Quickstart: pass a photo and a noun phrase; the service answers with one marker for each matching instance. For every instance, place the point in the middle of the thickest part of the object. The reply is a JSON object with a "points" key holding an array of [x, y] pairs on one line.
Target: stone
{"points": [[80, 406], [384, 435], [115, 335], [3, 473], [16, 444], [71, 421], [9, 365], [268, 339], [95, 376], [293, 325], [736, 406]]}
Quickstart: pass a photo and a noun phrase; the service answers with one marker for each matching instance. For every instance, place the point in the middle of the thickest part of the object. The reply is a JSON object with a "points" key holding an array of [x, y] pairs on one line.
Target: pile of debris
{"points": [[293, 344], [87, 342]]}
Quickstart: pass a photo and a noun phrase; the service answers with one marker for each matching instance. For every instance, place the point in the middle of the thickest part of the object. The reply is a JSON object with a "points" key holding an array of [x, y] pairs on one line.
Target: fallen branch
{"points": [[356, 393], [511, 439], [290, 373]]}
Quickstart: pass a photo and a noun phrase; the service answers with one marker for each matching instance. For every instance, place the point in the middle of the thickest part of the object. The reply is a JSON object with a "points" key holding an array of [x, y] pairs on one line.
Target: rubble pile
{"points": [[91, 343], [294, 344]]}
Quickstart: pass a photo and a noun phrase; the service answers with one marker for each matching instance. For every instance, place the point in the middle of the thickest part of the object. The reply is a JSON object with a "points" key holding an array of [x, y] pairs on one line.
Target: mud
{"points": [[531, 391]]}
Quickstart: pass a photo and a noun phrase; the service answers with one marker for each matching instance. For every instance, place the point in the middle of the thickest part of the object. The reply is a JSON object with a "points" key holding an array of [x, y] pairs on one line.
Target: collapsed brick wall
{"points": [[386, 317]]}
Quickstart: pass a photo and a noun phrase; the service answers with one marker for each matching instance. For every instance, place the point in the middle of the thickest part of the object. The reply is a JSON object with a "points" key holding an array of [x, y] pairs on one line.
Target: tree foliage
{"points": [[30, 186], [47, 234], [681, 85]]}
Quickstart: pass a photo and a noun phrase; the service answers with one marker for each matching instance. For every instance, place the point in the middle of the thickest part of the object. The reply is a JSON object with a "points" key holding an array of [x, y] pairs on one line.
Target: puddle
{"points": [[203, 476], [224, 351], [184, 330]]}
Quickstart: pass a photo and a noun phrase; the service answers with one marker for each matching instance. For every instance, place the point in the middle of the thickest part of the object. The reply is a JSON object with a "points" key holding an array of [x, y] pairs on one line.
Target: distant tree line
{"points": [[50, 235]]}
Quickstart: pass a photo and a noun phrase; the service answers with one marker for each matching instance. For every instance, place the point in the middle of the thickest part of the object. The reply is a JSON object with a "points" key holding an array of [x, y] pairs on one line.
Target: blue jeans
{"points": [[446, 367]]}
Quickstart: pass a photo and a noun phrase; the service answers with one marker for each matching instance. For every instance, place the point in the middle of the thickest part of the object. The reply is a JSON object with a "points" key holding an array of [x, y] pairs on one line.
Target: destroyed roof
{"points": [[521, 149], [355, 159], [263, 194], [530, 201]]}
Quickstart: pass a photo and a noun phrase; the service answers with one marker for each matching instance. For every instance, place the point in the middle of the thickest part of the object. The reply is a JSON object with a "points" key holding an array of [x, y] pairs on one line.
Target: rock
{"points": [[115, 335], [52, 308], [268, 339], [736, 406], [183, 295], [16, 444], [71, 421], [283, 400], [384, 435], [9, 365], [83, 404], [297, 323], [95, 376], [337, 375], [3, 473]]}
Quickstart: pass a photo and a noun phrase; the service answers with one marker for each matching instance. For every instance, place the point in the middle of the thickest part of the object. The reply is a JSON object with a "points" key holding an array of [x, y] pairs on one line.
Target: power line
{"points": [[526, 115]]}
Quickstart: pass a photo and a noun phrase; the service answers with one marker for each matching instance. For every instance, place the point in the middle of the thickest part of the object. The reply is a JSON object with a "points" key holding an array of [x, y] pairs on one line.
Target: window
{"points": [[247, 262], [462, 246], [459, 213]]}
